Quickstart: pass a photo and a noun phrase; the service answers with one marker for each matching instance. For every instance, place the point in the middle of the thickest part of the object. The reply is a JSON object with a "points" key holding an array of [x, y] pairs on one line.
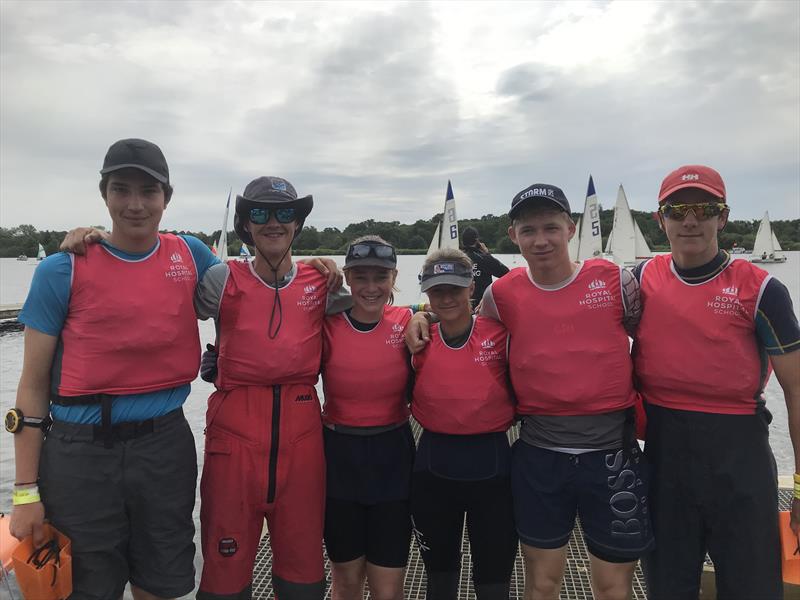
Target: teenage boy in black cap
{"points": [[712, 329], [571, 372], [484, 265], [115, 335]]}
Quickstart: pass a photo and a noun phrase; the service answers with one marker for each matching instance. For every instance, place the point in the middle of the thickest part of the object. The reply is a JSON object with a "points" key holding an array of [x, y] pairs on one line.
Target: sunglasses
{"points": [[260, 216], [357, 251], [701, 211]]}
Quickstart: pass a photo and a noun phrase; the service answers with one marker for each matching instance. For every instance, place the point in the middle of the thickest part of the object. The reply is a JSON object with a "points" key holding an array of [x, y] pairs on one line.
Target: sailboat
{"points": [[626, 243], [41, 255], [244, 252], [446, 234], [766, 248], [587, 231], [221, 245]]}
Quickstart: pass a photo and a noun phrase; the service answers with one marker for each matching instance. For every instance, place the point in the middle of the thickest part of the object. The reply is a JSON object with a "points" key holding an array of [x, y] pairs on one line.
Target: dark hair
{"points": [[164, 186]]}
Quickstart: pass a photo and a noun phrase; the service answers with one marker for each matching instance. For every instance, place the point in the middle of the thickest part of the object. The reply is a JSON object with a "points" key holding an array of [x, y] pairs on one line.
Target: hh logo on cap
{"points": [[547, 192], [279, 185], [690, 177], [440, 268]]}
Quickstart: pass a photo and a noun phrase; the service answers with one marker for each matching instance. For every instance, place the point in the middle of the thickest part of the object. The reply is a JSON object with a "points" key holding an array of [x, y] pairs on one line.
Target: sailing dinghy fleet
{"points": [[626, 244]]}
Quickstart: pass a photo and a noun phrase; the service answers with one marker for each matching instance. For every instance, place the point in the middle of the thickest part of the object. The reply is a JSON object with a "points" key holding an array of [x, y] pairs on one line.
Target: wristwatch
{"points": [[15, 421]]}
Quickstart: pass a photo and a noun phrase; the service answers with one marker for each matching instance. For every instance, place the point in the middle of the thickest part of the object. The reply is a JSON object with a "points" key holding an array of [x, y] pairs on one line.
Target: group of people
{"points": [[104, 452]]}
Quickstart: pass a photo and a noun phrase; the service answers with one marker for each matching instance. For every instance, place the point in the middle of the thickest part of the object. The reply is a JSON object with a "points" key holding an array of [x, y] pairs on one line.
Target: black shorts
{"points": [[127, 509], [607, 489], [369, 469], [380, 532]]}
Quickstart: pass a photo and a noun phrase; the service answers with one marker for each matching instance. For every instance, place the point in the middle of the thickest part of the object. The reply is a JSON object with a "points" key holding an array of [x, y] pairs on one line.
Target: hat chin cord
{"points": [[276, 314]]}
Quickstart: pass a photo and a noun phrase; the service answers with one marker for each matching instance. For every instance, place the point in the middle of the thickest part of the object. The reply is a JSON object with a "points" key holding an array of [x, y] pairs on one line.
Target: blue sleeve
{"points": [[776, 324], [203, 256], [46, 306]]}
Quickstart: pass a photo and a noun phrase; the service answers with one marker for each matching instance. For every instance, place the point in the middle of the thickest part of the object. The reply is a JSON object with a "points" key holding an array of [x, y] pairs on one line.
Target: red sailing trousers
{"points": [[264, 457]]}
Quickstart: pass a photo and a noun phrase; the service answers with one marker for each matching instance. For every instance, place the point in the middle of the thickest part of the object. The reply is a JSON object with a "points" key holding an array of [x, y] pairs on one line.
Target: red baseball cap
{"points": [[692, 176]]}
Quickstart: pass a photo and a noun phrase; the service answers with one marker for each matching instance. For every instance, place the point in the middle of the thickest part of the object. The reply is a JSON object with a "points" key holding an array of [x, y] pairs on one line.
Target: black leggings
{"points": [[437, 508]]}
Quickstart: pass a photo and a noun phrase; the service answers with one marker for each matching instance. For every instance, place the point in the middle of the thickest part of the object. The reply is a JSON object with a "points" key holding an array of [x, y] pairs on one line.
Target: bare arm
{"points": [[787, 370], [33, 399]]}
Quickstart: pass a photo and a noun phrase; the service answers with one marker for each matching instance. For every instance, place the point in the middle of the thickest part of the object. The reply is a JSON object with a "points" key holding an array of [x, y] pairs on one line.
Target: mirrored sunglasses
{"points": [[701, 211], [259, 216], [366, 250]]}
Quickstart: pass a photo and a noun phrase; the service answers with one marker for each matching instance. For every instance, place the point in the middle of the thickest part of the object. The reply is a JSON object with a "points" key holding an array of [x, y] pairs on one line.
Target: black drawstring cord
{"points": [[277, 307]]}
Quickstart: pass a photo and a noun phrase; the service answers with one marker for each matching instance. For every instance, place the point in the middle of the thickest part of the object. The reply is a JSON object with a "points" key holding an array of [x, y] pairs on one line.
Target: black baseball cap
{"points": [[445, 271], [539, 194], [139, 154]]}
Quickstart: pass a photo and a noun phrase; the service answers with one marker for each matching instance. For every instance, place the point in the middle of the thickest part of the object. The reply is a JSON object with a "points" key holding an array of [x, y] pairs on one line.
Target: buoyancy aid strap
{"points": [[104, 400]]}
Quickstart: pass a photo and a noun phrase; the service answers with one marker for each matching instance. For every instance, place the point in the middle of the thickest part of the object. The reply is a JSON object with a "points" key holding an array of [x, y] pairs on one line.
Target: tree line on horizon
{"points": [[414, 238]]}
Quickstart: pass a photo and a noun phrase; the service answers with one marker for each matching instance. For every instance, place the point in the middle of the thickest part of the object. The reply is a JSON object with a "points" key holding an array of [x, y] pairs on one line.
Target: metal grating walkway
{"points": [[576, 576]]}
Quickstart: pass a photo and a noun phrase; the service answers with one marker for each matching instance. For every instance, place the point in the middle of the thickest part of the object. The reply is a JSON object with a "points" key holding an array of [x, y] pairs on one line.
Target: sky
{"points": [[373, 107]]}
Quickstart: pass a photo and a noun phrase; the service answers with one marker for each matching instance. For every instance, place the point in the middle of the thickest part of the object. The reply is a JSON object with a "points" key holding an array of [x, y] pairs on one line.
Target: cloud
{"points": [[373, 107]]}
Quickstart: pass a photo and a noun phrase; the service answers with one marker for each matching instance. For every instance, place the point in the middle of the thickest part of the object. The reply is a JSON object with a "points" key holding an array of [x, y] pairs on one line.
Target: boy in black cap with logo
{"points": [[484, 265], [712, 330], [264, 447], [571, 372], [115, 332]]}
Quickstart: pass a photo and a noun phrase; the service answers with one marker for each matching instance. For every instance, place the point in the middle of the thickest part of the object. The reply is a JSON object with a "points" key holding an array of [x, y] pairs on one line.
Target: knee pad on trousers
{"points": [[492, 591], [287, 590], [442, 585]]}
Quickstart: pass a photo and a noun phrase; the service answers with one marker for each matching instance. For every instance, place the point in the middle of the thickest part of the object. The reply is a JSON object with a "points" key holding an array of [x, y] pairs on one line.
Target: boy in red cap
{"points": [[712, 329]]}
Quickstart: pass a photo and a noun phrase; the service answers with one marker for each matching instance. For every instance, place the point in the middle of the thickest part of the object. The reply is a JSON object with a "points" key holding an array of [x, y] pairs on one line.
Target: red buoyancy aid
{"points": [[696, 346], [570, 354], [365, 373], [247, 356], [131, 326], [464, 390]]}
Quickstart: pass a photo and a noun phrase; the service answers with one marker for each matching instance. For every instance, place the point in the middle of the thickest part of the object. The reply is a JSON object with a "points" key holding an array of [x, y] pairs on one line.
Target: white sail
{"points": [[575, 241], [446, 234], [590, 243], [775, 243], [762, 247], [642, 248], [222, 243], [41, 255], [622, 242]]}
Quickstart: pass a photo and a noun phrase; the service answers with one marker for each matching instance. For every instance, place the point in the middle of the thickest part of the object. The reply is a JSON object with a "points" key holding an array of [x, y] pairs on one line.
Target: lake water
{"points": [[15, 277]]}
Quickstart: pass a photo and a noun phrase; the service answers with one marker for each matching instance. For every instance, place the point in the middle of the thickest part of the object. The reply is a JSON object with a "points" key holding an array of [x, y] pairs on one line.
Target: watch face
{"points": [[12, 421]]}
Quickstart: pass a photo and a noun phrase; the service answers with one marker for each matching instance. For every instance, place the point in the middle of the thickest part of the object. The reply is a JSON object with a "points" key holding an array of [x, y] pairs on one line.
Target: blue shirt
{"points": [[46, 309]]}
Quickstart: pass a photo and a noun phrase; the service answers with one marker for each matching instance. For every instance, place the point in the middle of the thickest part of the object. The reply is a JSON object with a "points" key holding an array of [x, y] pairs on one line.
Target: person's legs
{"points": [[83, 494], [296, 520], [544, 571], [673, 568], [232, 494], [438, 521], [160, 480], [611, 580], [545, 505], [345, 541], [492, 536], [742, 496], [388, 540]]}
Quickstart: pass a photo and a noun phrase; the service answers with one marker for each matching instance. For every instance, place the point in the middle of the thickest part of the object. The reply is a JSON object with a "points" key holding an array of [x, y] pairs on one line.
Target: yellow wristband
{"points": [[25, 496], [797, 477], [797, 489]]}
